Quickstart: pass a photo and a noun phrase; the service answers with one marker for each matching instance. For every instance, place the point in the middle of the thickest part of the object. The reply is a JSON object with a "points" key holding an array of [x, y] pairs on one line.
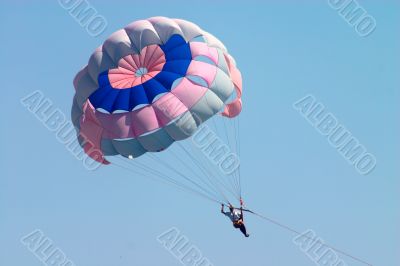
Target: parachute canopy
{"points": [[150, 84]]}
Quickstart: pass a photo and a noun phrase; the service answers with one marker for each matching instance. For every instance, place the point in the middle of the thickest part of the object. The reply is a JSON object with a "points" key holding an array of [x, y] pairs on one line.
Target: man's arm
{"points": [[222, 209]]}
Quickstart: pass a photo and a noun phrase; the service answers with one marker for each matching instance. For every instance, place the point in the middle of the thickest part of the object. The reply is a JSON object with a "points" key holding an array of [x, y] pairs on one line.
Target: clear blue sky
{"points": [[285, 50]]}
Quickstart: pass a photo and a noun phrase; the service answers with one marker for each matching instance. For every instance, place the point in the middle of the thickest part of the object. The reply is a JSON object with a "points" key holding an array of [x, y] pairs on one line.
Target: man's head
{"points": [[231, 208]]}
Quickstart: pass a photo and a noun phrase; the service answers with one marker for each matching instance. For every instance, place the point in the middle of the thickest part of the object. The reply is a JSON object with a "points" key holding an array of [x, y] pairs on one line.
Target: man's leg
{"points": [[243, 230]]}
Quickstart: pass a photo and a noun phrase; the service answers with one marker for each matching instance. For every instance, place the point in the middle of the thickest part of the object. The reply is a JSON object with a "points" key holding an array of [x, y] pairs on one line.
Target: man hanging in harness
{"points": [[236, 216]]}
